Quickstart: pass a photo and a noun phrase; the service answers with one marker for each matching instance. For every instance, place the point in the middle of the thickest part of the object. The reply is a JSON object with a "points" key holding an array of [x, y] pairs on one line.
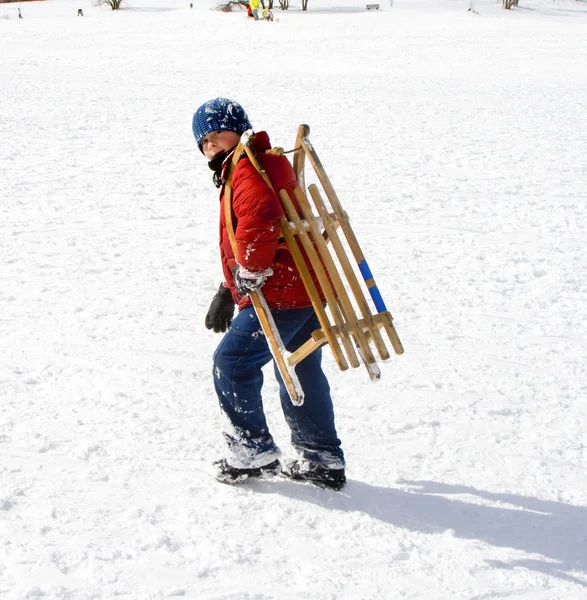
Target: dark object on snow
{"points": [[20, 14], [221, 309], [80, 12], [228, 474], [316, 473]]}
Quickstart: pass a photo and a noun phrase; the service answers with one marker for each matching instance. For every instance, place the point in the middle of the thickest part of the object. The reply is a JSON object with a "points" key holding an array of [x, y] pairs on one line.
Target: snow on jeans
{"points": [[238, 379]]}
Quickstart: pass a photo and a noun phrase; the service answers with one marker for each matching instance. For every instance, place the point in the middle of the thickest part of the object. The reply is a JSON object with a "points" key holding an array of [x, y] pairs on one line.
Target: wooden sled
{"points": [[347, 325]]}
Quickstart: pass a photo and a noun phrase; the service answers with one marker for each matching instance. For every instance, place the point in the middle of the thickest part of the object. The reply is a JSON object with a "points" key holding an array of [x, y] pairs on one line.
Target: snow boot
{"points": [[316, 473], [226, 473]]}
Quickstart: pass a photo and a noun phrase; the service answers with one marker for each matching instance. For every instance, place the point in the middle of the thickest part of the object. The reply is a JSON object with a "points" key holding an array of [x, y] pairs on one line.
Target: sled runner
{"points": [[347, 324]]}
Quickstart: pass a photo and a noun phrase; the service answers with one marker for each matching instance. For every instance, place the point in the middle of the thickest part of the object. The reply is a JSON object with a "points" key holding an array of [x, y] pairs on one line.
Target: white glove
{"points": [[246, 281]]}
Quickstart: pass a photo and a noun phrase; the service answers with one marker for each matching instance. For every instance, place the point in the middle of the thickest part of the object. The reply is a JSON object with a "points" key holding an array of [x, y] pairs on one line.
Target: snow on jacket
{"points": [[256, 212]]}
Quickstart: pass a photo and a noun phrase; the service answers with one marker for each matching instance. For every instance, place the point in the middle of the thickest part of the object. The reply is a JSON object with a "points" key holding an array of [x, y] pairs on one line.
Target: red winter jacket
{"points": [[256, 212]]}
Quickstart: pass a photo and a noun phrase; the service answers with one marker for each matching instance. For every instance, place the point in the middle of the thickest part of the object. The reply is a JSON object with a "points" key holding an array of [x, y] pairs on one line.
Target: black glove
{"points": [[219, 316], [246, 281]]}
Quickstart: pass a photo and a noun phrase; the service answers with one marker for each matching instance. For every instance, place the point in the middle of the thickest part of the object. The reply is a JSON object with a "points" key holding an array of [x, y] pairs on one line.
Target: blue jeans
{"points": [[238, 380]]}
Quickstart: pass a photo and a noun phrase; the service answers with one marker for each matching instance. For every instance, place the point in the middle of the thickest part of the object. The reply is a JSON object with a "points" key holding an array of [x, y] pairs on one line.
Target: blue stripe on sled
{"points": [[373, 289]]}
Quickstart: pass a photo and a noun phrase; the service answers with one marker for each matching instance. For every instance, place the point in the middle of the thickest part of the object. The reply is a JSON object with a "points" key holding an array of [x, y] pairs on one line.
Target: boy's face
{"points": [[219, 141]]}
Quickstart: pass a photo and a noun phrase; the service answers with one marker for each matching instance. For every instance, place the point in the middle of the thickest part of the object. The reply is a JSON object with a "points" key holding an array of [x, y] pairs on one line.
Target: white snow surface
{"points": [[456, 141]]}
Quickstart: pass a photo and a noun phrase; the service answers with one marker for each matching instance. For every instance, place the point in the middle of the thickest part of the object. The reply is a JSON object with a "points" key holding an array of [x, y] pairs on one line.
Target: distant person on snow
{"points": [[80, 12], [255, 4], [20, 14], [262, 260]]}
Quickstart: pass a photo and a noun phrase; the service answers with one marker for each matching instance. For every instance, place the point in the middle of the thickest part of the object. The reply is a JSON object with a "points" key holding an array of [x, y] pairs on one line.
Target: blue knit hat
{"points": [[220, 114]]}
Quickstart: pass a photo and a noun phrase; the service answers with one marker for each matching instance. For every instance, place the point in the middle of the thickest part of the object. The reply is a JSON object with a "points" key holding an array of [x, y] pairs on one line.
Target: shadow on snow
{"points": [[555, 530]]}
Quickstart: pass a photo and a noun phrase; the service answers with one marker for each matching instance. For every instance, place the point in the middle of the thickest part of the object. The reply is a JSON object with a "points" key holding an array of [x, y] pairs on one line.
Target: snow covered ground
{"points": [[456, 141]]}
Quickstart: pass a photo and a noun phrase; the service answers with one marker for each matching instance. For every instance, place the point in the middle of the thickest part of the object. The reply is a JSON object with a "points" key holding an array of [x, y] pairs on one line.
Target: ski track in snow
{"points": [[456, 142]]}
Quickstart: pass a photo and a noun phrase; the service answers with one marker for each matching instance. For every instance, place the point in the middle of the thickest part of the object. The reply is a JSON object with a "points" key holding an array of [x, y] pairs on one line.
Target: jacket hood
{"points": [[261, 142]]}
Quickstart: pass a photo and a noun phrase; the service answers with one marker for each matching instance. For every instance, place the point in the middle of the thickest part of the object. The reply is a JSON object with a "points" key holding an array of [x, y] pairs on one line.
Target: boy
{"points": [[262, 261]]}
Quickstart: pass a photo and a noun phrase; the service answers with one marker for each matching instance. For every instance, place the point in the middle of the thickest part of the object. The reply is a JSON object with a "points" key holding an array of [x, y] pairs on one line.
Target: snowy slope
{"points": [[456, 141]]}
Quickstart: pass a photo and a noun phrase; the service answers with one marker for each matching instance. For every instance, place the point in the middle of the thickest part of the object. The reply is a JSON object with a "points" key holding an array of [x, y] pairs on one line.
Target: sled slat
{"points": [[348, 270], [323, 279], [352, 241], [342, 298]]}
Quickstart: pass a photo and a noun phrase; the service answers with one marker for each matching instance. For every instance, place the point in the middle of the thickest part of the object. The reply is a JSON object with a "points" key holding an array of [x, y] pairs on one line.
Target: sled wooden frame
{"points": [[314, 234]]}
